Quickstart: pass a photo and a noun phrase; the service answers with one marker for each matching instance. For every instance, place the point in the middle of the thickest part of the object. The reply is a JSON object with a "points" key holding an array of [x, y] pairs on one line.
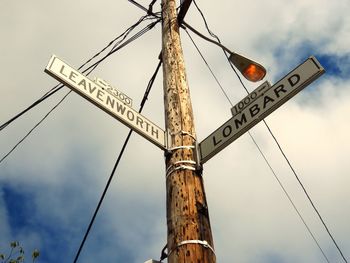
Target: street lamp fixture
{"points": [[250, 69]]}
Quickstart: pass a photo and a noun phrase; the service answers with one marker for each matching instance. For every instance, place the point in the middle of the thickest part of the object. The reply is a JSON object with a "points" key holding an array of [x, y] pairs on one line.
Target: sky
{"points": [[50, 185]]}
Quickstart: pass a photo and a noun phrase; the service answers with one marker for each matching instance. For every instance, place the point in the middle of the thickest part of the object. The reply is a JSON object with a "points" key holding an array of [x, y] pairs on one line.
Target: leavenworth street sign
{"points": [[112, 101], [259, 104]]}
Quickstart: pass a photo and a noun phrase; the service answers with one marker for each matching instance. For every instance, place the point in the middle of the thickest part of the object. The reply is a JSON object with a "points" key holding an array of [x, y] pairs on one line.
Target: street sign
{"points": [[99, 96], [251, 113]]}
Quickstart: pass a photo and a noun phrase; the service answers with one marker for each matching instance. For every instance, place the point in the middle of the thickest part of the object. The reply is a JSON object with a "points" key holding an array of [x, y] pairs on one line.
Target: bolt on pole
{"points": [[189, 232]]}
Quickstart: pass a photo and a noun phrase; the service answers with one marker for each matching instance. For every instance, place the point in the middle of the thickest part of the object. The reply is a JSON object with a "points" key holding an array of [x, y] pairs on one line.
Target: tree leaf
{"points": [[35, 254], [14, 244], [2, 256]]}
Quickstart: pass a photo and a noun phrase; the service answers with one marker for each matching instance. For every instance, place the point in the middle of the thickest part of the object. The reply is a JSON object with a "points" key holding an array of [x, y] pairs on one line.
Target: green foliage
{"points": [[16, 254], [35, 254]]}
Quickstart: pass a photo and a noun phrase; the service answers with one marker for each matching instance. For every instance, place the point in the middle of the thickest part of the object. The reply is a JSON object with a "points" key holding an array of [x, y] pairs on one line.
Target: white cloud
{"points": [[66, 162]]}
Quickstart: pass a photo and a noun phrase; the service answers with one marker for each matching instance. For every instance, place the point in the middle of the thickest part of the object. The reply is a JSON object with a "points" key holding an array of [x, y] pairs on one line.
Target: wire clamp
{"points": [[181, 167], [188, 147], [171, 150], [204, 243], [184, 133], [180, 162]]}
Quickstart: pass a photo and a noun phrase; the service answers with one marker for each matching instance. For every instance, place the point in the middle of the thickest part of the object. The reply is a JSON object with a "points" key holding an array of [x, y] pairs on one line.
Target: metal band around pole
{"points": [[181, 167], [204, 243], [181, 147], [180, 162], [184, 133]]}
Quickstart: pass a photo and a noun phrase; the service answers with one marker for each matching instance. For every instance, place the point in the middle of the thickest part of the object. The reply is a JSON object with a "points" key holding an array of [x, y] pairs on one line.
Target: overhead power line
{"points": [[306, 193], [262, 154], [89, 69], [60, 86], [225, 52], [116, 48], [149, 11], [282, 151], [44, 97], [145, 97], [35, 126]]}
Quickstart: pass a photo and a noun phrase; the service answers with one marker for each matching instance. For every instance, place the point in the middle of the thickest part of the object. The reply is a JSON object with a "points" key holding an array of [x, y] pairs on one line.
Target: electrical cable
{"points": [[131, 39], [35, 126], [306, 193], [263, 155], [91, 68], [150, 12], [59, 86], [289, 197], [222, 89], [145, 97], [239, 78], [45, 96], [150, 7], [282, 151], [123, 36], [211, 71], [218, 43]]}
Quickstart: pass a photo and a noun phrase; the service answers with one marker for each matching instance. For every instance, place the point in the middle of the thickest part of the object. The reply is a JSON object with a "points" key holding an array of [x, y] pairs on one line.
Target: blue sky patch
{"points": [[336, 65], [272, 257], [19, 207]]}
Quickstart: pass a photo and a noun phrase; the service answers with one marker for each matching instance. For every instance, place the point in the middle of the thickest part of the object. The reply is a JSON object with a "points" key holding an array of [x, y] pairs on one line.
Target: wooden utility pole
{"points": [[189, 233]]}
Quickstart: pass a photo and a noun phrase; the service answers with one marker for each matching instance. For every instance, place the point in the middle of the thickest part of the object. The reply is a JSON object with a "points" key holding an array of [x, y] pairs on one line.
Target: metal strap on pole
{"points": [[184, 133], [181, 167], [204, 243], [180, 162], [181, 147]]}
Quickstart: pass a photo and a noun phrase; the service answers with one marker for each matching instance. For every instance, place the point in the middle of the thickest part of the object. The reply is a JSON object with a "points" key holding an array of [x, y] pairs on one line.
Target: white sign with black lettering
{"points": [[109, 103], [253, 112]]}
